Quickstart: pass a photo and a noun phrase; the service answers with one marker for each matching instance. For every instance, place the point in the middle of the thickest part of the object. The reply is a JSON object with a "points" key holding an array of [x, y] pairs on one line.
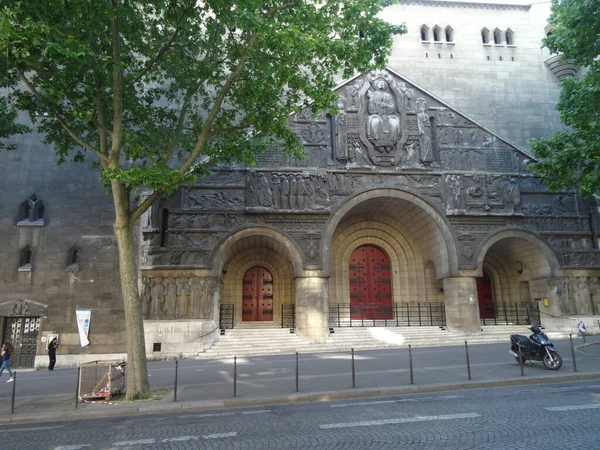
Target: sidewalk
{"points": [[208, 384]]}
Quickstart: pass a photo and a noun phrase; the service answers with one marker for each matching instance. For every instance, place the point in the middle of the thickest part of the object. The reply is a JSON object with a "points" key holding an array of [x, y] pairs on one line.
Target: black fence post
{"points": [[175, 391], [573, 353], [353, 372], [338, 316], [14, 389], [410, 364], [521, 361], [77, 388], [468, 361], [396, 310], [297, 374], [430, 315], [235, 376]]}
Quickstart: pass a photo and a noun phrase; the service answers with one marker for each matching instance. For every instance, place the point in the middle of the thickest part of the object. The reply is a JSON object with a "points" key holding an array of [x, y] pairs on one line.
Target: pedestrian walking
{"points": [[52, 346], [5, 354]]}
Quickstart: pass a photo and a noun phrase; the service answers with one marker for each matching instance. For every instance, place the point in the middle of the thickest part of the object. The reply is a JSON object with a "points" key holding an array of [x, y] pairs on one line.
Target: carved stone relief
{"points": [[553, 204], [179, 297], [482, 194], [202, 199], [161, 257], [288, 191], [22, 307]]}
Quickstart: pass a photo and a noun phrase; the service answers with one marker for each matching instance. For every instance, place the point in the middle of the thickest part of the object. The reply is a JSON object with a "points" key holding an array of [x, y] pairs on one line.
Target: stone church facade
{"points": [[414, 203]]}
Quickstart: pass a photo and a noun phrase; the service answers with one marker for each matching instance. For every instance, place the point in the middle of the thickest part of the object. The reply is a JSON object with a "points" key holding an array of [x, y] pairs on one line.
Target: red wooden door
{"points": [[257, 295], [370, 284], [484, 295]]}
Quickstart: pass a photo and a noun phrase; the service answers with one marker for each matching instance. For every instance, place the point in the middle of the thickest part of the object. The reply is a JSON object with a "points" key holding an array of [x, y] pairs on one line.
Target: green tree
{"points": [[154, 90], [571, 159]]}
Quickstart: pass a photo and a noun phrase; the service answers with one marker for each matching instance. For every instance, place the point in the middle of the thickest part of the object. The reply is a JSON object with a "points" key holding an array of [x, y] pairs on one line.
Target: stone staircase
{"points": [[271, 341]]}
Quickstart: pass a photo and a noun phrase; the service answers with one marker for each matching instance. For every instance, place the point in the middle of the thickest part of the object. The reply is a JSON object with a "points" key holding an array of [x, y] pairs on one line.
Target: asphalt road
{"points": [[554, 416], [275, 375]]}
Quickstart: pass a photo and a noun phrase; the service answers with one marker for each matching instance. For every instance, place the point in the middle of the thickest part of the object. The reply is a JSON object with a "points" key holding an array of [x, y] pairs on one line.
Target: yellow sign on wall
{"points": [[546, 301]]}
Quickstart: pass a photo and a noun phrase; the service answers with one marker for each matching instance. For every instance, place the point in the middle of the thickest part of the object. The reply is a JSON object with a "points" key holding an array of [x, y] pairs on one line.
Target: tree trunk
{"points": [[137, 369]]}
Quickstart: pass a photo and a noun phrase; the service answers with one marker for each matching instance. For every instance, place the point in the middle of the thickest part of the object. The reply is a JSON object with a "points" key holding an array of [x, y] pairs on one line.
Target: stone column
{"points": [[462, 305], [312, 308]]}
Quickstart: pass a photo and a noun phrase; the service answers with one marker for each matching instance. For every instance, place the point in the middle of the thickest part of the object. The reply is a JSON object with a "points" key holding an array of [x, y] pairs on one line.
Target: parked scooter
{"points": [[536, 347]]}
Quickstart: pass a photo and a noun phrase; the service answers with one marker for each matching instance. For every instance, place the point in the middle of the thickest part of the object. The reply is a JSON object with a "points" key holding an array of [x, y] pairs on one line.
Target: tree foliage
{"points": [[155, 90], [571, 159]]}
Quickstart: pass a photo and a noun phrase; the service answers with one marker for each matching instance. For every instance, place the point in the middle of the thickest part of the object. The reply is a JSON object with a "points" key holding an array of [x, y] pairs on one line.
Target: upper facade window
{"points": [[497, 37], [510, 37], [485, 36], [437, 34], [31, 212], [25, 260], [424, 33], [449, 31], [73, 259]]}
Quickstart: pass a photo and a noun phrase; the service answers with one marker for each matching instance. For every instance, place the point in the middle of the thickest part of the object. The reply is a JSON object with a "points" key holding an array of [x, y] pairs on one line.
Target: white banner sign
{"points": [[83, 324]]}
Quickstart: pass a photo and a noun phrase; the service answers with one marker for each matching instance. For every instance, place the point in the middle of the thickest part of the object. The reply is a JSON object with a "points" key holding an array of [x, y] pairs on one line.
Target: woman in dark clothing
{"points": [[5, 354], [52, 346]]}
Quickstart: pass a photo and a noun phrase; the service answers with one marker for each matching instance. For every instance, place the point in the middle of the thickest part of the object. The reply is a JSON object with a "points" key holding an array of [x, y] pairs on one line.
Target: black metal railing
{"points": [[226, 314], [288, 316], [509, 313], [396, 315]]}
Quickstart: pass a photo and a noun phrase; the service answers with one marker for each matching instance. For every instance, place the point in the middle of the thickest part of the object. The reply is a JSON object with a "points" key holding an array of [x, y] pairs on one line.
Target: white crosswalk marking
{"points": [[573, 407], [370, 423], [363, 403], [181, 439], [257, 412], [25, 430], [72, 447]]}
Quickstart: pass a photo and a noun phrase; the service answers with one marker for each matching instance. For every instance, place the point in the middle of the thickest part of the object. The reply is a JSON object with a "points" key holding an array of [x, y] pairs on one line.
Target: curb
{"points": [[208, 405]]}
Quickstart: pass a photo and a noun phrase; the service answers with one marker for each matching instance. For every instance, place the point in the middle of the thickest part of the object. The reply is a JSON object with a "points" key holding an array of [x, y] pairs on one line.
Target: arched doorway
{"points": [[485, 297], [257, 295], [370, 284]]}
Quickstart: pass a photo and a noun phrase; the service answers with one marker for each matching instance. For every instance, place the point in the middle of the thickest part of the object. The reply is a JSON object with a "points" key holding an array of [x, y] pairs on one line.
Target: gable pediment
{"points": [[22, 307]]}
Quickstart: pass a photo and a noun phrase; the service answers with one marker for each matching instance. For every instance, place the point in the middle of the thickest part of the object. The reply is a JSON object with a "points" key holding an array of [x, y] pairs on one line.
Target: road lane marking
{"points": [[181, 439], [72, 447], [257, 412], [196, 416], [138, 442], [2, 430], [363, 403], [573, 407], [220, 435], [370, 423]]}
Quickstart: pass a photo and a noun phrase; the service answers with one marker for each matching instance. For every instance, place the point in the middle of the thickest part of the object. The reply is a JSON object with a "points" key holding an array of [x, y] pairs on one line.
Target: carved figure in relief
{"points": [[183, 295], [352, 92], [595, 294], [293, 192], [341, 133], [265, 196], [454, 186], [458, 137], [285, 192], [276, 183], [412, 160], [196, 295], [424, 130], [383, 125], [146, 296], [158, 297], [511, 195], [313, 133], [171, 297]]}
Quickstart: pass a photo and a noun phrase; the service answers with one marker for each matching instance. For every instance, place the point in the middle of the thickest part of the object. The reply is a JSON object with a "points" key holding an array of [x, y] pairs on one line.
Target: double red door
{"points": [[484, 295], [370, 284], [257, 295]]}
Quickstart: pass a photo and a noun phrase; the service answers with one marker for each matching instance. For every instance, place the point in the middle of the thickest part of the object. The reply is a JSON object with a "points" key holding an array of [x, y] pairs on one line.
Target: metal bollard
{"points": [[175, 391], [583, 334], [468, 361], [412, 380], [77, 389], [521, 362], [14, 386], [297, 374], [353, 373], [235, 376], [573, 353]]}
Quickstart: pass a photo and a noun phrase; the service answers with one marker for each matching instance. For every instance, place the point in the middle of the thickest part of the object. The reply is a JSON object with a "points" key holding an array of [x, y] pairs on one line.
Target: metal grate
{"points": [[514, 314], [288, 316], [22, 333], [226, 314], [397, 315]]}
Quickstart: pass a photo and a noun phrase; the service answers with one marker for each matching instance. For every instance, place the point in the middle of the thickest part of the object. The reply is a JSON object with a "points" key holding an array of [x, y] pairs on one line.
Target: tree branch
{"points": [[143, 207], [60, 119], [205, 134], [154, 60]]}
